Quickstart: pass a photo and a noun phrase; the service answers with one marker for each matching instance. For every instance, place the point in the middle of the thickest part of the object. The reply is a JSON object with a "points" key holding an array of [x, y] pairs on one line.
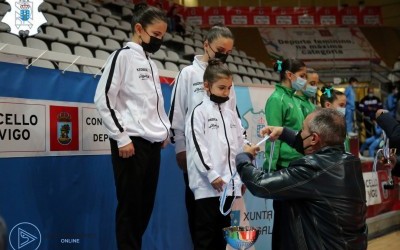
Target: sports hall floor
{"points": [[385, 242]]}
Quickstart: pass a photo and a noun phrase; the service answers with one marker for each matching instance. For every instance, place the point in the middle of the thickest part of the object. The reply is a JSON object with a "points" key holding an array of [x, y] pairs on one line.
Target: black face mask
{"points": [[220, 56], [298, 143], [153, 45], [218, 99]]}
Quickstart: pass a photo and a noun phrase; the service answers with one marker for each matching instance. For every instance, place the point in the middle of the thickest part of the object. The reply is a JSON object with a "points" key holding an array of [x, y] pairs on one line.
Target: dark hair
{"points": [[218, 31], [330, 125], [329, 95], [311, 71], [353, 79], [215, 71], [292, 65], [145, 15]]}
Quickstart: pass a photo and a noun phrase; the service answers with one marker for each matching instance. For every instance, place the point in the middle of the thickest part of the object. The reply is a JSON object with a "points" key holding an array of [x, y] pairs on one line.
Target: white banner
{"points": [[32, 128], [22, 127], [94, 135], [372, 188], [319, 45]]}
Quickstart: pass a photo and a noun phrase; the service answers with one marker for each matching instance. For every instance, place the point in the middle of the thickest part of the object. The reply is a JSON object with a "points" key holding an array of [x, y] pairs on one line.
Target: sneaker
{"points": [[351, 134], [366, 158]]}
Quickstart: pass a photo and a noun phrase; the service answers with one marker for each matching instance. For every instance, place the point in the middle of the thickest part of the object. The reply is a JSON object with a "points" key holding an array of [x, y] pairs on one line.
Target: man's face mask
{"points": [[299, 143]]}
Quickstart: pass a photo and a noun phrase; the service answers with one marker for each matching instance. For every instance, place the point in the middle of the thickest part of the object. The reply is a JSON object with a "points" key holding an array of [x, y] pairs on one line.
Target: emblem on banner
{"points": [[25, 235], [24, 17], [260, 124], [64, 128]]}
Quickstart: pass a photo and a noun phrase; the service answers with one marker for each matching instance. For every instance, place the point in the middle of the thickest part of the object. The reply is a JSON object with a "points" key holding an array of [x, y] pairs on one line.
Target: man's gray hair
{"points": [[330, 125]]}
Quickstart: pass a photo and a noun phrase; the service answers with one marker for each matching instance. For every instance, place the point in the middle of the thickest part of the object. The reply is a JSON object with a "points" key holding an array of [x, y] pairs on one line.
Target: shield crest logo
{"points": [[24, 17], [25, 14], [64, 128], [260, 124]]}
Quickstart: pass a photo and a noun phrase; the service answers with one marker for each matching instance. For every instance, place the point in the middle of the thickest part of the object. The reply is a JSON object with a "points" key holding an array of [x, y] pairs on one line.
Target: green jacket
{"points": [[306, 105], [347, 145], [282, 109]]}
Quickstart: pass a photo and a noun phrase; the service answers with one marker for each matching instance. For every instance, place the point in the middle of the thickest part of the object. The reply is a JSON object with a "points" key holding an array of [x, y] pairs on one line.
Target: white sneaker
{"points": [[366, 158]]}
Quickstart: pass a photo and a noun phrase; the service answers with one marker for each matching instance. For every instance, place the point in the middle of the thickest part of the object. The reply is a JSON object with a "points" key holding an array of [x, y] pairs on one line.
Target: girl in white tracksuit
{"points": [[213, 139], [130, 102], [188, 92]]}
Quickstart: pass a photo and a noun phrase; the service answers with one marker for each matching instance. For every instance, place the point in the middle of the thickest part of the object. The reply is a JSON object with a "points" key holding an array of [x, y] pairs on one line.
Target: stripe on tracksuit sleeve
{"points": [[171, 110], [240, 119], [196, 144], [237, 112], [108, 85]]}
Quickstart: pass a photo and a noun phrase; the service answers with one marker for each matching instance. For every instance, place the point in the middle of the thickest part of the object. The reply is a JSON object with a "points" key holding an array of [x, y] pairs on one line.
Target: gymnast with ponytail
{"points": [[284, 110]]}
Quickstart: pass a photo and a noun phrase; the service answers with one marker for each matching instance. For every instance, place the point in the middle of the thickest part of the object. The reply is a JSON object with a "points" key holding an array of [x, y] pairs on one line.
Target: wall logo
{"points": [[24, 17], [25, 235], [64, 128], [260, 123]]}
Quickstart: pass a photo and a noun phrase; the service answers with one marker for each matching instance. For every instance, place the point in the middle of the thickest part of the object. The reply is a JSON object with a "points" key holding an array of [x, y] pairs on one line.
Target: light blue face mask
{"points": [[299, 83], [310, 91], [341, 110]]}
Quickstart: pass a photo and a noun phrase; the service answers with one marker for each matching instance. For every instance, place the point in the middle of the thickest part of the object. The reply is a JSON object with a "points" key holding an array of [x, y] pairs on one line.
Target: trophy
{"points": [[241, 238]]}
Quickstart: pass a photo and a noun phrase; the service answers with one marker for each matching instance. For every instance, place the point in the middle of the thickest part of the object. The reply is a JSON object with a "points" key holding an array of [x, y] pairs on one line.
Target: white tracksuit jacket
{"points": [[129, 98], [214, 137], [187, 93]]}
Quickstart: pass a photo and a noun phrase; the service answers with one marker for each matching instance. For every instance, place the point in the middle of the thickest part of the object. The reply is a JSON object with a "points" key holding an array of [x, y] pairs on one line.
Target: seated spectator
{"points": [[176, 23], [368, 106], [372, 142]]}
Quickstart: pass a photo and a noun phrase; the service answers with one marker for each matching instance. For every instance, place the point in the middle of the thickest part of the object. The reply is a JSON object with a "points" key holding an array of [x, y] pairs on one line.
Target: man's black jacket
{"points": [[323, 197]]}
